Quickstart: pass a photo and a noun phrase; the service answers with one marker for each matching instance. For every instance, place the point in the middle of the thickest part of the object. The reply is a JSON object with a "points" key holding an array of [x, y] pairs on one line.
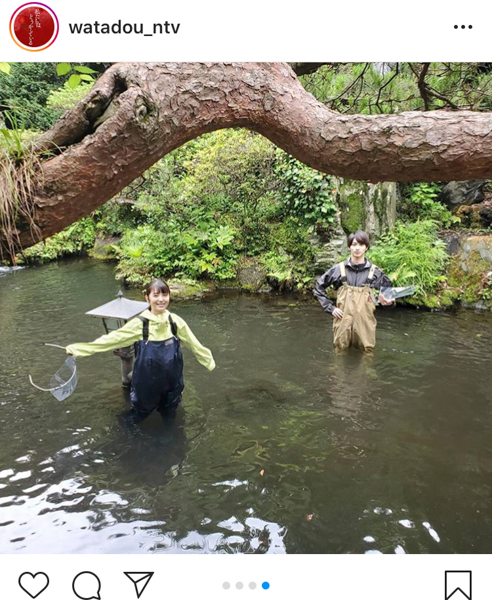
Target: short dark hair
{"points": [[159, 285], [359, 236]]}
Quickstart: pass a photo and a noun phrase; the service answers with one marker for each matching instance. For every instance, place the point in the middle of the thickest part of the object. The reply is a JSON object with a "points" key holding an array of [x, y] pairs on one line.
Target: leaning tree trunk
{"points": [[136, 113]]}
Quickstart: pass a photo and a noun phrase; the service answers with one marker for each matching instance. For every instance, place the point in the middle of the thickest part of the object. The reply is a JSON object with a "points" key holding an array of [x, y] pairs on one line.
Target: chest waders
{"points": [[157, 380], [357, 327]]}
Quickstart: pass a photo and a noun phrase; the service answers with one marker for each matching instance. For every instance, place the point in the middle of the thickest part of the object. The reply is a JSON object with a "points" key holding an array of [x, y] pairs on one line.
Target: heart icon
{"points": [[34, 584]]}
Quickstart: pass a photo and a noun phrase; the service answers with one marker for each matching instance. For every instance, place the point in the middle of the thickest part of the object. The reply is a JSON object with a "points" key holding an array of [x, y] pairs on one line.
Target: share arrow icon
{"points": [[140, 580]]}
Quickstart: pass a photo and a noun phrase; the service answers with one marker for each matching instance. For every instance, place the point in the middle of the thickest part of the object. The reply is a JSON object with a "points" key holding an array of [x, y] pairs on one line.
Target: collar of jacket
{"points": [[362, 267], [163, 318]]}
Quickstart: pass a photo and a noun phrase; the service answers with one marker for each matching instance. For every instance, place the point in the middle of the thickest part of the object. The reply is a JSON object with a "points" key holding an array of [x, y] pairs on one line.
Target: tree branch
{"points": [[136, 113]]}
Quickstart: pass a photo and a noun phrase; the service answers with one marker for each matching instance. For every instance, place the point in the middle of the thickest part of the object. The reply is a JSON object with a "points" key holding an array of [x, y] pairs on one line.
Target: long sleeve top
{"points": [[159, 330], [356, 275]]}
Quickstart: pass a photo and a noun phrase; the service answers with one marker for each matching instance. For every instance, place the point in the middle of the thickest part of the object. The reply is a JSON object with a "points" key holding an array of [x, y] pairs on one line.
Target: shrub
{"points": [[304, 193], [75, 239], [205, 251], [25, 91], [419, 202], [413, 254], [231, 173], [290, 259]]}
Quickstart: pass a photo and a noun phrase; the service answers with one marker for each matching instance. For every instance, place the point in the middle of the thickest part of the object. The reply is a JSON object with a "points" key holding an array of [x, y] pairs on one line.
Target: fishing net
{"points": [[392, 293], [64, 381]]}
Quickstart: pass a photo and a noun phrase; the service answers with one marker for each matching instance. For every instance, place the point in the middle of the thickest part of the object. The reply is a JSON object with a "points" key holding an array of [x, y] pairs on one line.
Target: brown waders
{"points": [[357, 327]]}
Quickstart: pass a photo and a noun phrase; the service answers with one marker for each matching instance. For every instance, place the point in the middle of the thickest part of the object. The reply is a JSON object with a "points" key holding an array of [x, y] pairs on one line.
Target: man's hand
{"points": [[337, 313], [384, 302]]}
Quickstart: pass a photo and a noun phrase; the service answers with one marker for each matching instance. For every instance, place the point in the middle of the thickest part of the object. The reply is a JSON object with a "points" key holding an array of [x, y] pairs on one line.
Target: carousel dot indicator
{"points": [[265, 585], [226, 585], [252, 586], [239, 585]]}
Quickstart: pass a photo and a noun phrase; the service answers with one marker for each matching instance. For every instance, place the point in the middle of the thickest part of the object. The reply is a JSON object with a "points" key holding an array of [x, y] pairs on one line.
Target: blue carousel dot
{"points": [[265, 585]]}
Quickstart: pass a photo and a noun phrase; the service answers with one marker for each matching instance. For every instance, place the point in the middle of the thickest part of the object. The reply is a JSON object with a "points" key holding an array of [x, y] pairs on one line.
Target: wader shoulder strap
{"points": [[145, 328], [343, 273], [372, 272], [174, 327]]}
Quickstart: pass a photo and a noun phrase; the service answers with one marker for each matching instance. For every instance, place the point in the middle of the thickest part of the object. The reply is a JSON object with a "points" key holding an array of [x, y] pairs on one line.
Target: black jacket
{"points": [[357, 276]]}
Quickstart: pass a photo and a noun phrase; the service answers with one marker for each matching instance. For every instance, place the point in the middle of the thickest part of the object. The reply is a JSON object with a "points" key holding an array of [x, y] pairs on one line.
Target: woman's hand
{"points": [[337, 313]]}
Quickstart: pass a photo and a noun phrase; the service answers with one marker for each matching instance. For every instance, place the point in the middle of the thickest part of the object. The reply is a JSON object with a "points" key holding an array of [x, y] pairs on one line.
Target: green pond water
{"points": [[284, 448]]}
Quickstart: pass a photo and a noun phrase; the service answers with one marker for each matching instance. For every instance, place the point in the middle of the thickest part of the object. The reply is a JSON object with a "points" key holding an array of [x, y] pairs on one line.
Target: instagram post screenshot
{"points": [[245, 300]]}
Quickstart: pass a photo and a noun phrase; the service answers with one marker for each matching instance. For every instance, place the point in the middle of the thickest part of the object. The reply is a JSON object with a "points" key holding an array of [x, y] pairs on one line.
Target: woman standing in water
{"points": [[354, 323], [157, 380]]}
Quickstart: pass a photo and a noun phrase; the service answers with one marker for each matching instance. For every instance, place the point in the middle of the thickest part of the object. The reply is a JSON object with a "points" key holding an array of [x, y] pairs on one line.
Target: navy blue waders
{"points": [[157, 380]]}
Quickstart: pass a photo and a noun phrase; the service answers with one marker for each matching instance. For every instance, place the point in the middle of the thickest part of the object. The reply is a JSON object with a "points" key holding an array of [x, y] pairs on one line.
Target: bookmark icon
{"points": [[458, 585], [140, 580]]}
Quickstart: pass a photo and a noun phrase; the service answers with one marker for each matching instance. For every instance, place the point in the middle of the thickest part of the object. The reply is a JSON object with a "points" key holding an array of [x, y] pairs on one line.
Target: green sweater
{"points": [[159, 330]]}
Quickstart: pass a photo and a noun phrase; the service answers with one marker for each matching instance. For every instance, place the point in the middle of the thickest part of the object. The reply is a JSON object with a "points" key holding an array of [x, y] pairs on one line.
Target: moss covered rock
{"points": [[186, 290], [470, 271], [251, 276], [104, 248], [367, 206]]}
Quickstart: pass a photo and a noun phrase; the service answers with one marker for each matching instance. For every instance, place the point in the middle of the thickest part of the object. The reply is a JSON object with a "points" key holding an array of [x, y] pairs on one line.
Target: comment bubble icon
{"points": [[87, 586]]}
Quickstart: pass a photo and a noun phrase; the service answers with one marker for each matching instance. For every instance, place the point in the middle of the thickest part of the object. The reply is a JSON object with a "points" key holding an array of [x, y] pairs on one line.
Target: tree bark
{"points": [[136, 113]]}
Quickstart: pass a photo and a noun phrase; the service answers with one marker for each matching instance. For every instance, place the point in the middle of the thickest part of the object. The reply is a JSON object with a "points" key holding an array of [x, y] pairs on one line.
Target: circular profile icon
{"points": [[34, 26]]}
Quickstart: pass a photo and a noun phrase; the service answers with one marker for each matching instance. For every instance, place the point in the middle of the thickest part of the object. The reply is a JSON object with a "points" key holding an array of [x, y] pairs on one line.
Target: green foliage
{"points": [[116, 217], [230, 171], [204, 251], [78, 74], [157, 194], [26, 87], [73, 240], [25, 91], [284, 271], [5, 68], [66, 97], [413, 254], [15, 138], [485, 292], [210, 203], [419, 201], [289, 262], [375, 88], [305, 194]]}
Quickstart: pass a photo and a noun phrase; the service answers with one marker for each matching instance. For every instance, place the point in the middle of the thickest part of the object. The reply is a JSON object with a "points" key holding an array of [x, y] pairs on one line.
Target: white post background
{"points": [[261, 30]]}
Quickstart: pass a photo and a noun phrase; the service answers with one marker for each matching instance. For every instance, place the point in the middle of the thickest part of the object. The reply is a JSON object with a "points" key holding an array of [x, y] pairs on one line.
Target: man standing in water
{"points": [[354, 323]]}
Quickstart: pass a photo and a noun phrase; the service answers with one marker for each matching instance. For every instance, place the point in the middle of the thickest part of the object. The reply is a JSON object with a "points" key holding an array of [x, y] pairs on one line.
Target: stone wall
{"points": [[362, 205]]}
